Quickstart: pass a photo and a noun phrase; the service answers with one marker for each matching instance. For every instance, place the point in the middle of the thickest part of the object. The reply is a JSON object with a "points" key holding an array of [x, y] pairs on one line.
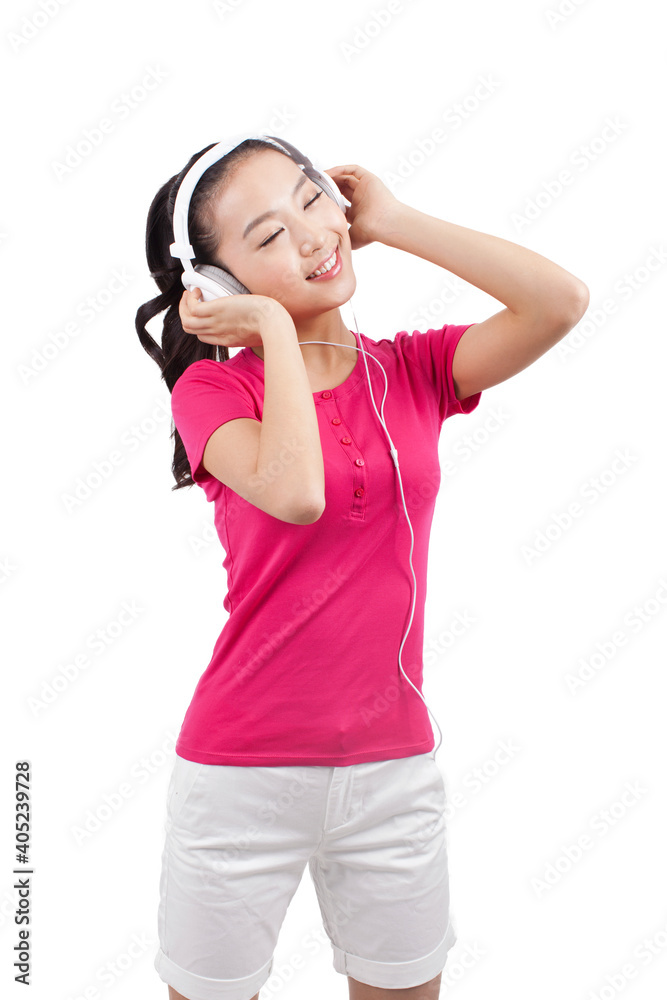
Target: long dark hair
{"points": [[180, 349]]}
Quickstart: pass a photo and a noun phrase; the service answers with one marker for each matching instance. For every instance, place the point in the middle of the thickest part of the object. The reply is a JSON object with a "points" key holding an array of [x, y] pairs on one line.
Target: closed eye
{"points": [[266, 242]]}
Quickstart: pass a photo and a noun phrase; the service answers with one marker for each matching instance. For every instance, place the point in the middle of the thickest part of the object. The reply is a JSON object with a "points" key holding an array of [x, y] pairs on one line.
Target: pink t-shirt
{"points": [[305, 669]]}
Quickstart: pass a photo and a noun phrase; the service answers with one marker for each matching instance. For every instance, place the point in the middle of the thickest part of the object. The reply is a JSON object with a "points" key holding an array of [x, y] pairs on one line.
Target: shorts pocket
{"points": [[183, 778]]}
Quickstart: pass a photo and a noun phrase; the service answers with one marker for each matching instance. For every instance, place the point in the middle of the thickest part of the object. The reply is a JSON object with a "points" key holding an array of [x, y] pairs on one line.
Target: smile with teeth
{"points": [[328, 264]]}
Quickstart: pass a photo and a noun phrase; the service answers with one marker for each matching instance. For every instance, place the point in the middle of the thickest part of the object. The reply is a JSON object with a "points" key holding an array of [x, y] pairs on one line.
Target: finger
{"points": [[348, 168], [199, 307], [195, 324], [193, 298], [346, 182], [210, 339]]}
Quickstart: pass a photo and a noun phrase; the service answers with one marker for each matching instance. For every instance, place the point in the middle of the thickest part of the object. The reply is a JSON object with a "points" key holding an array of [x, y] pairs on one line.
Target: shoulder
{"points": [[208, 371], [208, 389], [404, 347], [387, 346]]}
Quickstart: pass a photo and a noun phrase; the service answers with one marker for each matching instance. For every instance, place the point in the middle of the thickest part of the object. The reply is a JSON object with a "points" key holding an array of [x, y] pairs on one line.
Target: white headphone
{"points": [[215, 282]]}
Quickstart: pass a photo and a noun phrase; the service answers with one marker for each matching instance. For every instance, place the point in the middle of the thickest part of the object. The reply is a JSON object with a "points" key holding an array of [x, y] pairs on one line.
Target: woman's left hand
{"points": [[371, 203]]}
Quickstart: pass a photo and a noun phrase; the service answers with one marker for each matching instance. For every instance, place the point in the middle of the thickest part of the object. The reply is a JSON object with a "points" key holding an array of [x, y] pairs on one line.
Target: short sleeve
{"points": [[206, 396], [433, 351]]}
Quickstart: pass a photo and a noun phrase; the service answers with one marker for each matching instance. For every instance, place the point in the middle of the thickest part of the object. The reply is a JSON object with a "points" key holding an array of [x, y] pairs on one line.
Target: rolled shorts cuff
{"points": [[395, 975], [200, 988]]}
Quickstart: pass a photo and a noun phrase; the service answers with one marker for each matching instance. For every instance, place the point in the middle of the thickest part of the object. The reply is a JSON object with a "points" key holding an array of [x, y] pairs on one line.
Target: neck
{"points": [[319, 358]]}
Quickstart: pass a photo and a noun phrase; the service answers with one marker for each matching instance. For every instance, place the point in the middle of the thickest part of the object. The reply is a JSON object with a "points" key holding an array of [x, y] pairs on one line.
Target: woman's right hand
{"points": [[231, 320]]}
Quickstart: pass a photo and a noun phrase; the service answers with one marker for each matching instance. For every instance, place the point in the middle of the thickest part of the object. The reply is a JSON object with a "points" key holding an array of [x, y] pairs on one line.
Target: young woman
{"points": [[307, 739]]}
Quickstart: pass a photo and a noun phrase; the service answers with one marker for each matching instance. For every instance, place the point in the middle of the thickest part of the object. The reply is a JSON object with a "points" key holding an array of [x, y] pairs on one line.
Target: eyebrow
{"points": [[260, 218]]}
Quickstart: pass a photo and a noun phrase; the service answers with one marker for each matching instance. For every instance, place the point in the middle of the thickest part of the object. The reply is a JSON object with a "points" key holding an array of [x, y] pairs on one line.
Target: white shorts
{"points": [[238, 840]]}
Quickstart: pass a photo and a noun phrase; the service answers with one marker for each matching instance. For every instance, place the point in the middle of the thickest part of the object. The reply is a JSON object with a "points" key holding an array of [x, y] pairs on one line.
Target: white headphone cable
{"points": [[394, 456]]}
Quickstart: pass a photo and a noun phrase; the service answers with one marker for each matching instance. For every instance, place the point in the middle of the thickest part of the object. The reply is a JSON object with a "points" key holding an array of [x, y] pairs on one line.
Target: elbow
{"points": [[570, 310], [578, 303], [307, 513], [312, 512]]}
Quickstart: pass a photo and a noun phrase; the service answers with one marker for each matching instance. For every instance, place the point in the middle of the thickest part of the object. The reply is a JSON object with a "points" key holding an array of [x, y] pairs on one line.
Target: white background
{"points": [[344, 89]]}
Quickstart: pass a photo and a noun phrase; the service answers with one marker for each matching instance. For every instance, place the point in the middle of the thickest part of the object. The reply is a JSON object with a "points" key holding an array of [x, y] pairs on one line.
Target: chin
{"points": [[349, 277]]}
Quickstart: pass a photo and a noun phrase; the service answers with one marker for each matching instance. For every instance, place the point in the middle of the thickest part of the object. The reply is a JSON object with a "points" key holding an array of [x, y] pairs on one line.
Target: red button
{"points": [[346, 440], [326, 394], [358, 461], [336, 420], [360, 492]]}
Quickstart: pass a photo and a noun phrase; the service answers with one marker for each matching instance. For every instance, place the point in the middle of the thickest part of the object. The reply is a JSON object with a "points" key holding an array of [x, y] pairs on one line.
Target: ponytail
{"points": [[180, 349]]}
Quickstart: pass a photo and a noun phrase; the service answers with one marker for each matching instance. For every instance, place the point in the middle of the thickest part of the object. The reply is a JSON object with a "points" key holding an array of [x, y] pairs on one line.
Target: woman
{"points": [[305, 740]]}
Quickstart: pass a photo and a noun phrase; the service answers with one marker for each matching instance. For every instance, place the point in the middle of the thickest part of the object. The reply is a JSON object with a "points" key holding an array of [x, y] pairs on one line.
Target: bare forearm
{"points": [[524, 281], [290, 451]]}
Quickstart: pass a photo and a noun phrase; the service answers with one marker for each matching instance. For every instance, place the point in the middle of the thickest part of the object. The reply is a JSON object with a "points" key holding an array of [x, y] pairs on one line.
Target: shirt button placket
{"points": [[359, 491]]}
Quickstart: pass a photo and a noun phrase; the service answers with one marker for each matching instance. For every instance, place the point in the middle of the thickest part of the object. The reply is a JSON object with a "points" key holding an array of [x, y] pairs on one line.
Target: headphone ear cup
{"points": [[329, 187], [213, 282]]}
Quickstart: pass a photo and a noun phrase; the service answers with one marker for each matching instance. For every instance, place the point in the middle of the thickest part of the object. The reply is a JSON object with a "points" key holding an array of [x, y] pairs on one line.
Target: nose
{"points": [[313, 242], [312, 235]]}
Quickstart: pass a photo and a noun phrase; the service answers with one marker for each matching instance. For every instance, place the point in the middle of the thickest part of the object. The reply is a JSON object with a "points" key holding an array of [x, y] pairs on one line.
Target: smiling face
{"points": [[300, 226]]}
